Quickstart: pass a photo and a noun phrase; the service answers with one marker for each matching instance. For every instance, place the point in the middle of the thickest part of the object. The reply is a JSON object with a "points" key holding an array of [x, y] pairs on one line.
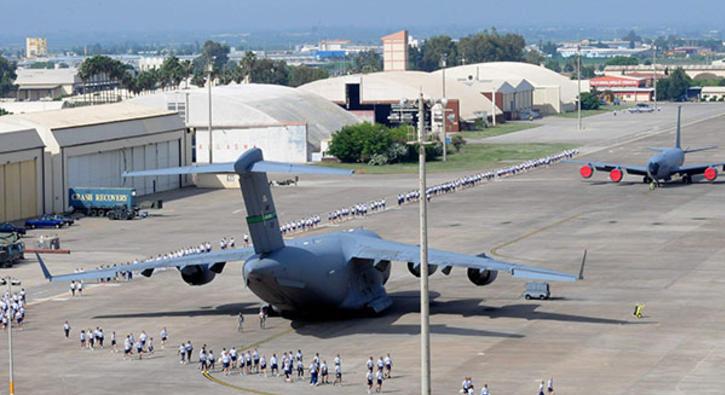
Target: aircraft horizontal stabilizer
{"points": [[214, 168], [697, 149], [281, 167]]}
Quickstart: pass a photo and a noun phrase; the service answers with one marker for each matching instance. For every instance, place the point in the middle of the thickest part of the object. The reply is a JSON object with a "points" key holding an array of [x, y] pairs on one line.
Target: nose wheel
{"points": [[652, 185]]}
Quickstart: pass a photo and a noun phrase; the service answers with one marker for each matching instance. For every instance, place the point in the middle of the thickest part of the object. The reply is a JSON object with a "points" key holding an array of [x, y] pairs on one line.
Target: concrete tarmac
{"points": [[663, 248]]}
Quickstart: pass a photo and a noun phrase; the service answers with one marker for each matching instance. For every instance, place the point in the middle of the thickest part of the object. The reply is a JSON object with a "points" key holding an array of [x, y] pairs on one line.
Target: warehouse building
{"points": [[37, 84], [373, 96], [553, 92], [21, 171], [92, 146], [288, 124]]}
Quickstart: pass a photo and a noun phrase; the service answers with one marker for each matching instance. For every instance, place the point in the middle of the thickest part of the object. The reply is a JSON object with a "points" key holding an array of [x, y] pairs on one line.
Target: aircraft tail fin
{"points": [[677, 131], [252, 170]]}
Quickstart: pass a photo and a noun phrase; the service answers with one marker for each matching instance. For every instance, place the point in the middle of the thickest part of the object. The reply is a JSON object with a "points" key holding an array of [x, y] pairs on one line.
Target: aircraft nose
{"points": [[652, 169]]}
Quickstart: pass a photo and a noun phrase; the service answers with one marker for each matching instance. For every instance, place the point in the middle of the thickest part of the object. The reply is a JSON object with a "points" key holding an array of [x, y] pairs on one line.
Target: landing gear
{"points": [[652, 186], [686, 179], [646, 180]]}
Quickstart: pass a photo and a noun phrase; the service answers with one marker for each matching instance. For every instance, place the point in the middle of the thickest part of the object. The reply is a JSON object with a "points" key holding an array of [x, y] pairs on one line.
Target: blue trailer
{"points": [[100, 202]]}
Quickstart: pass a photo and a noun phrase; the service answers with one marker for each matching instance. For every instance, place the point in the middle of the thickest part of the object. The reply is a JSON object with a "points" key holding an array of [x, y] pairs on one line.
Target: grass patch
{"points": [[502, 128], [589, 113], [473, 157]]}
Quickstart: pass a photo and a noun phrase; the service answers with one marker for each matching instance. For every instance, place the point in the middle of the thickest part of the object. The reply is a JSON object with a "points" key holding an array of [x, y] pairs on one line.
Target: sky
{"points": [[19, 18]]}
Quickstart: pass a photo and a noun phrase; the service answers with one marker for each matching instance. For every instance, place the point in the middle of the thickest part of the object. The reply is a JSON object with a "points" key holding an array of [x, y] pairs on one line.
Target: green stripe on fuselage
{"points": [[255, 219]]}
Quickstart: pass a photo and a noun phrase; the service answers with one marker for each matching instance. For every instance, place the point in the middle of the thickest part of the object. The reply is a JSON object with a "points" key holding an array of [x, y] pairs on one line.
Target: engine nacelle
{"points": [[586, 171], [197, 274], [710, 174], [481, 277], [415, 269], [616, 175]]}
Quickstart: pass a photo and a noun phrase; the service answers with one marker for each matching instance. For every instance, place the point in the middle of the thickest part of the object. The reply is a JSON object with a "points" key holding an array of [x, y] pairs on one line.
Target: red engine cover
{"points": [[586, 171], [616, 175], [710, 174]]}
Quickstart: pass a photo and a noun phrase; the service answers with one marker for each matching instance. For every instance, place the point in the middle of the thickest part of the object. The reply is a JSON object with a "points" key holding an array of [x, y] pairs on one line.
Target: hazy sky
{"points": [[48, 17]]}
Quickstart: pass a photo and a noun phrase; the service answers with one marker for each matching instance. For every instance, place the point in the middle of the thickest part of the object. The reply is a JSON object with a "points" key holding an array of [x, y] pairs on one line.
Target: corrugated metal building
{"points": [[21, 171], [92, 146]]}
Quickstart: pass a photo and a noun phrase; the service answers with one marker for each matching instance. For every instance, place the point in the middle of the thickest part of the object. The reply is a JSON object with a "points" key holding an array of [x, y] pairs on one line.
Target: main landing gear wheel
{"points": [[652, 186], [686, 179]]}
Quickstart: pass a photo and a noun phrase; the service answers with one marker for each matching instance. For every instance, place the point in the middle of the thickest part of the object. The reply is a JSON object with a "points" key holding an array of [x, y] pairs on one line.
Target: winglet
{"points": [[581, 268], [44, 268]]}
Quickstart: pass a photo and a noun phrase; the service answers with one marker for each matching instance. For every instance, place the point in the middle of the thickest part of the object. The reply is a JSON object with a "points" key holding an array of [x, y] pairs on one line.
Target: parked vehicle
{"points": [[12, 249], [10, 228], [537, 291], [114, 203], [529, 114], [47, 221], [641, 107]]}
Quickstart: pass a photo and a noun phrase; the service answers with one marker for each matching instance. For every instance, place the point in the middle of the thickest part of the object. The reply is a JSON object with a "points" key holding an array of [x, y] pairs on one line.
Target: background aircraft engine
{"points": [[415, 269], [586, 171], [710, 174], [616, 175], [197, 274], [481, 277]]}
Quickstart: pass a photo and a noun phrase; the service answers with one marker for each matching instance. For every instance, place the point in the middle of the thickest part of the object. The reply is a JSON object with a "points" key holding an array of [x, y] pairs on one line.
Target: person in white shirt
{"points": [[388, 366], [484, 390], [380, 381], [369, 378]]}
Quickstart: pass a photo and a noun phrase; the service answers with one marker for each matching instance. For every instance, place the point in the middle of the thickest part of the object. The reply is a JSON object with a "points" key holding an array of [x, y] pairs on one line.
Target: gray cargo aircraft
{"points": [[662, 167], [341, 270]]}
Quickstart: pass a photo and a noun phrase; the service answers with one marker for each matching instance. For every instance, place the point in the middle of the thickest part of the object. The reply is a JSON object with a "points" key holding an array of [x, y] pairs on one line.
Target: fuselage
{"points": [[314, 274], [664, 164]]}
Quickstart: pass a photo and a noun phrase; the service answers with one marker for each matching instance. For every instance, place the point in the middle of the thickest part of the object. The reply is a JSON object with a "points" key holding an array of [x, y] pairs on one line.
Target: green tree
{"points": [[590, 101], [365, 62], [300, 75], [4, 112], [263, 71], [211, 50], [622, 61], [42, 65], [172, 72], [492, 47], [549, 48], [534, 57], [434, 50], [678, 82], [632, 37], [7, 76], [554, 65]]}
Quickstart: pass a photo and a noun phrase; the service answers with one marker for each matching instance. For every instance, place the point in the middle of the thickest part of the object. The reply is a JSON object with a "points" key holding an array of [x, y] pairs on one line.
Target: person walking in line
{"points": [[66, 329], [550, 386]]}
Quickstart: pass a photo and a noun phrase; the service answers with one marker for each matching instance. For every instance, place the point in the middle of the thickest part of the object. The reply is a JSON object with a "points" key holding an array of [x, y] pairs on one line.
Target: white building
{"points": [[38, 84]]}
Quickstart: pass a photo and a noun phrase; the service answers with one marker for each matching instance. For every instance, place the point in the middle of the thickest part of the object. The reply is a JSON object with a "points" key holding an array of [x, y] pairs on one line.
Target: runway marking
{"points": [[213, 379], [494, 250]]}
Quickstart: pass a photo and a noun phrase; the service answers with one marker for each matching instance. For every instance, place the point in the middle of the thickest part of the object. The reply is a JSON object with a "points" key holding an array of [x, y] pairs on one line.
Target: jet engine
{"points": [[197, 274], [710, 174], [481, 277], [586, 171], [414, 269], [616, 175]]}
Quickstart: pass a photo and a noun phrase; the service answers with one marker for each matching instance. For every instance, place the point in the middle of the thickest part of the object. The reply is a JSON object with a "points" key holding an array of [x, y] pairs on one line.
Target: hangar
{"points": [[21, 171], [552, 92], [92, 146], [288, 124], [372, 96]]}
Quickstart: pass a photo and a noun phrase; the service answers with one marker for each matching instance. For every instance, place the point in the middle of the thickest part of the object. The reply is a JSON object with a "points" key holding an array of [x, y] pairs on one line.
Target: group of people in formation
{"points": [[301, 225], [12, 306], [467, 387], [95, 339], [356, 210], [475, 179]]}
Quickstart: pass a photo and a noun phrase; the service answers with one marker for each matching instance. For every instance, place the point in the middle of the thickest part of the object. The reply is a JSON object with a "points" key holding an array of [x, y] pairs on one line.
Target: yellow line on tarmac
{"points": [[494, 250], [267, 339], [213, 379]]}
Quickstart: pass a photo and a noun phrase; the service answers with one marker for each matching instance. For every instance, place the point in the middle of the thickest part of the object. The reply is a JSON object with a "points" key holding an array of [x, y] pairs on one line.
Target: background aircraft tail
{"points": [[252, 170], [677, 131]]}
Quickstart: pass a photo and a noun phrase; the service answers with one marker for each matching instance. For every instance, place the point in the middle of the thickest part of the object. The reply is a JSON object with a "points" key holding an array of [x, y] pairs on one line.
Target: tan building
{"points": [[36, 47], [40, 84], [395, 51]]}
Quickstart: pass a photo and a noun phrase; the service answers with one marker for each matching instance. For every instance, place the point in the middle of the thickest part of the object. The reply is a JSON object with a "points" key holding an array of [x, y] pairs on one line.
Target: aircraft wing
{"points": [[699, 168], [237, 254], [608, 166], [366, 247]]}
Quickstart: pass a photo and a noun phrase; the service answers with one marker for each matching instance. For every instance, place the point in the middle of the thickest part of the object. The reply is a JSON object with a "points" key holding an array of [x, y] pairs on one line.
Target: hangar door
{"points": [[103, 169], [18, 190]]}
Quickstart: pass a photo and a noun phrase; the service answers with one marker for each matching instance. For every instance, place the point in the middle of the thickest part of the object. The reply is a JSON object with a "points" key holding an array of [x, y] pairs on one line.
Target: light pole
{"points": [[579, 87], [211, 70], [10, 281], [654, 73], [424, 302], [444, 102]]}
